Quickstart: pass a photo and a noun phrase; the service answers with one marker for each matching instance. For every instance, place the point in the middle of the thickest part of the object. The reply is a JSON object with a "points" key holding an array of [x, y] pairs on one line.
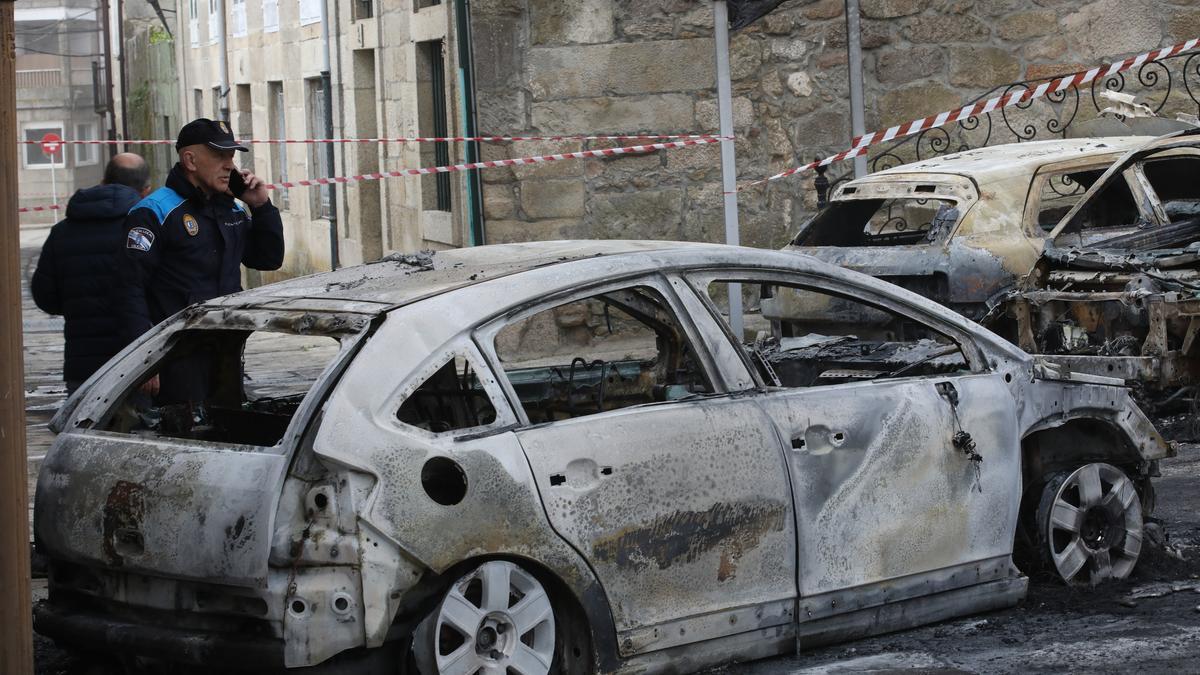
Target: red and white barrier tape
{"points": [[539, 159], [860, 144], [405, 139]]}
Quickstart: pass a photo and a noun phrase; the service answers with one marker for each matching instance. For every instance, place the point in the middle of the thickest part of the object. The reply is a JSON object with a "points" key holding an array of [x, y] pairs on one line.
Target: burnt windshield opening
{"points": [[899, 221], [225, 386]]}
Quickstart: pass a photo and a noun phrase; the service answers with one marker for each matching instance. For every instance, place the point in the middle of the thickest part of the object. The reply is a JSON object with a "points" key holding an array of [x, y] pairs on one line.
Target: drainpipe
{"points": [[329, 167], [854, 59], [466, 95], [728, 165], [222, 64]]}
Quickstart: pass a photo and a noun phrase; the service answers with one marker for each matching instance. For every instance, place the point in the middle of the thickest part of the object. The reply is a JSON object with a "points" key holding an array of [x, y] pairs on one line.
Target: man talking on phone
{"points": [[186, 243]]}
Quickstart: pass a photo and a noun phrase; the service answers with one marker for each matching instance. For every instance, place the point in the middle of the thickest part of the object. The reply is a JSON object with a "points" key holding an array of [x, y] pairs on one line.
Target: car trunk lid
{"points": [[150, 506]]}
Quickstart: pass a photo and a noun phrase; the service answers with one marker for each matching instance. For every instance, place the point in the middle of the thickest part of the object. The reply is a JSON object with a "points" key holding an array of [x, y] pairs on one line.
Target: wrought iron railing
{"points": [[1168, 87]]}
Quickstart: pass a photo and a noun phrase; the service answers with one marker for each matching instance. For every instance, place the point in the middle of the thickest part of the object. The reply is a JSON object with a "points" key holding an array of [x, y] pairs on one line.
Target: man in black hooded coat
{"points": [[76, 272]]}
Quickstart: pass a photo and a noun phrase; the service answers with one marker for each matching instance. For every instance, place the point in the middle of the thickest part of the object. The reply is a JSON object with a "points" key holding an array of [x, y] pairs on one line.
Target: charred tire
{"points": [[1088, 524], [498, 617]]}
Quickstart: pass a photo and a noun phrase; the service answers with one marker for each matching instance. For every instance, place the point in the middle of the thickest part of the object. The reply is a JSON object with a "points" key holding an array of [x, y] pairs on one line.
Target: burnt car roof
{"points": [[398, 279], [1003, 160]]}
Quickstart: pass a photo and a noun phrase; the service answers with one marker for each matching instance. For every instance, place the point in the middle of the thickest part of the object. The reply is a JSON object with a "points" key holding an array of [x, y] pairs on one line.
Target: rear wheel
{"points": [[496, 618], [1089, 524]]}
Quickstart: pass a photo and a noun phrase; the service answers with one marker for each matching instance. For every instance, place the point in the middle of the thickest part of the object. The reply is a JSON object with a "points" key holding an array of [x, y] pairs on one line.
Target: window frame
{"points": [[460, 346], [50, 163], [90, 152], [698, 281], [485, 340]]}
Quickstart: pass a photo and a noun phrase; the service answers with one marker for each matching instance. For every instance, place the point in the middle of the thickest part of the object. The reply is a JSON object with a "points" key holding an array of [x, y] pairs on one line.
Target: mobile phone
{"points": [[237, 184]]}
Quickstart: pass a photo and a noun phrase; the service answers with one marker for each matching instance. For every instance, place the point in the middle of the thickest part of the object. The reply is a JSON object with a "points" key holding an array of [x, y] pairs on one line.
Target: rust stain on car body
{"points": [[122, 517], [686, 535]]}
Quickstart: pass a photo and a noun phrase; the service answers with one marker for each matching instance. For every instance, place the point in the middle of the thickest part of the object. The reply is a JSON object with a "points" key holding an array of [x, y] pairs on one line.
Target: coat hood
{"points": [[102, 202]]}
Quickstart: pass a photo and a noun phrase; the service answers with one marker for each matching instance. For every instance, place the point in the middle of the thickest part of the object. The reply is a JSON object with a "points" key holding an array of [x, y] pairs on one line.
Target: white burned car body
{"points": [[557, 457]]}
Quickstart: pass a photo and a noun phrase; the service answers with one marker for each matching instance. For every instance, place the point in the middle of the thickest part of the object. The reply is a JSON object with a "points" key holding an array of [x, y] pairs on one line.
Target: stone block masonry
{"points": [[626, 66]]}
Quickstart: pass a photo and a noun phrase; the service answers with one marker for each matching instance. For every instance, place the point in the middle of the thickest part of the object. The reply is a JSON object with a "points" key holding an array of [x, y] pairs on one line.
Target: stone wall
{"points": [[627, 66]]}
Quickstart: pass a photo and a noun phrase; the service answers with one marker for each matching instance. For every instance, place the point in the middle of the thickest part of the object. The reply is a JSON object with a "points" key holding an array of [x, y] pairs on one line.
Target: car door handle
{"points": [[557, 479]]}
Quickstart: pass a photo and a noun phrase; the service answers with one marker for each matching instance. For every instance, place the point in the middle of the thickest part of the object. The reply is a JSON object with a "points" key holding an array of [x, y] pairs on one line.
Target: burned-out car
{"points": [[558, 457], [1084, 250]]}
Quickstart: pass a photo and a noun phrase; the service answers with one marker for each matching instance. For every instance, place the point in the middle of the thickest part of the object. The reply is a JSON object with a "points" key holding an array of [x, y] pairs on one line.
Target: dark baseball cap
{"points": [[213, 133]]}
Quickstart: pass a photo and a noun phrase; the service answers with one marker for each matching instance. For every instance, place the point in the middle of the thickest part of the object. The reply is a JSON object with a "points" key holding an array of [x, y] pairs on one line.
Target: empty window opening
{"points": [[901, 221], [606, 352], [226, 386], [318, 153], [1110, 212], [243, 122], [451, 399], [1175, 185], [433, 121], [1059, 192], [803, 337]]}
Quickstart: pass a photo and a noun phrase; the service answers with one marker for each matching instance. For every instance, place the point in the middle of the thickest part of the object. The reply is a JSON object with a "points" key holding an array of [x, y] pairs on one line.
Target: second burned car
{"points": [[1086, 251], [558, 457]]}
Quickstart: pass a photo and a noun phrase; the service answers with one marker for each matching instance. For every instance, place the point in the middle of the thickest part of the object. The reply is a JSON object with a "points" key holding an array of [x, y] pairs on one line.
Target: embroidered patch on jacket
{"points": [[139, 238], [190, 224]]}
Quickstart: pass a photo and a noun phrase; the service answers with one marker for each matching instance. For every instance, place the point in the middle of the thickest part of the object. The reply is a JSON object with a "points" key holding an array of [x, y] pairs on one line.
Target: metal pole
{"points": [[222, 64], [53, 180], [466, 95], [854, 58], [728, 166], [326, 82], [122, 67], [109, 112], [16, 631]]}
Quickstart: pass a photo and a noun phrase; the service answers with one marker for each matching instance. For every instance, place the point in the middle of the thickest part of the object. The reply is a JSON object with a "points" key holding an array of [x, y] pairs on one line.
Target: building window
{"points": [[194, 22], [277, 128], [86, 153], [310, 11], [238, 16], [214, 15], [198, 102], [318, 153], [270, 16], [216, 104], [243, 124], [34, 158], [418, 5], [432, 121], [363, 9]]}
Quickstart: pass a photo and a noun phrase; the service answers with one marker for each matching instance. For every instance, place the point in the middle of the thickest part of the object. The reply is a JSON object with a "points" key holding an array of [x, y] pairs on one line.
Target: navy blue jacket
{"points": [[181, 248], [76, 274]]}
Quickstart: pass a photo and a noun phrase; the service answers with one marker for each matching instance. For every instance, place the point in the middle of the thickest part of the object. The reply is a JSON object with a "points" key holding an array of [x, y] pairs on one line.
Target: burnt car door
{"points": [[674, 491], [902, 450]]}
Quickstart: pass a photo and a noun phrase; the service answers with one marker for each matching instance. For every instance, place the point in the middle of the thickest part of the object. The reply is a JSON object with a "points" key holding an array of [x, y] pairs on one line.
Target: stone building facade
{"points": [[548, 67], [627, 66], [392, 72]]}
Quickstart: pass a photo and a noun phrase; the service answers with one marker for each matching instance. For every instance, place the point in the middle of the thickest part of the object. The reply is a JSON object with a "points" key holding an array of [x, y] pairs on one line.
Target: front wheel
{"points": [[497, 618], [1089, 524]]}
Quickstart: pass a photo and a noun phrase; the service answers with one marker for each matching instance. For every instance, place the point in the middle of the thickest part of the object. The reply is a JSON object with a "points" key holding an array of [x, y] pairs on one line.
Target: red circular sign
{"points": [[51, 144]]}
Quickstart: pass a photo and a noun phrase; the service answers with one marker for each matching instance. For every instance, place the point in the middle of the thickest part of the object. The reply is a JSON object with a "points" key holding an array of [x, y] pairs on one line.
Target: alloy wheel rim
{"points": [[498, 618], [1095, 525]]}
